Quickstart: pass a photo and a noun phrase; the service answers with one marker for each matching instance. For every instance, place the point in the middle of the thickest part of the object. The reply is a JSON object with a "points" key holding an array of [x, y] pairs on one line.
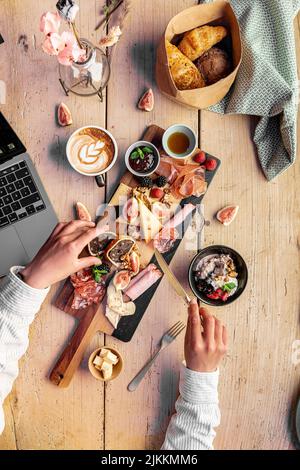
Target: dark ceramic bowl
{"points": [[241, 269]]}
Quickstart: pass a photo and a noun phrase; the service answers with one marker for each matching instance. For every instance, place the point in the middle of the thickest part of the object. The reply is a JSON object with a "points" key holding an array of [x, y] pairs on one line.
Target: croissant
{"points": [[200, 40], [185, 74]]}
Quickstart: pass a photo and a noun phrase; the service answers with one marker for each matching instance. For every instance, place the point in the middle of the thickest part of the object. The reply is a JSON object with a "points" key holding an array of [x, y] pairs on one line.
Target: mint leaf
{"points": [[147, 149], [134, 155], [140, 152]]}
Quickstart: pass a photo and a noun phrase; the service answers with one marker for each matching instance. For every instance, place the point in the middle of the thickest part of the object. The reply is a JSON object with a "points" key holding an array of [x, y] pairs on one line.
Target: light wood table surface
{"points": [[258, 383]]}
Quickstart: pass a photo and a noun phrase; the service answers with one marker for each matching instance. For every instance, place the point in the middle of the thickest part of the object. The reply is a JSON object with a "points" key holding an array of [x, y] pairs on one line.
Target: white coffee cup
{"points": [[99, 175]]}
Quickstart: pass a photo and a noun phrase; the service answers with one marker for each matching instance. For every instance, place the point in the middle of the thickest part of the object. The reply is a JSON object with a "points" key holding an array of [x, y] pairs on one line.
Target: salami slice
{"points": [[165, 240], [86, 290]]}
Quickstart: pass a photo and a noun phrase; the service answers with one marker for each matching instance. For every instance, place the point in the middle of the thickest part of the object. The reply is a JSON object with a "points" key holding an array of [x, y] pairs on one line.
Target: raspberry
{"points": [[210, 164], [156, 193], [200, 157]]}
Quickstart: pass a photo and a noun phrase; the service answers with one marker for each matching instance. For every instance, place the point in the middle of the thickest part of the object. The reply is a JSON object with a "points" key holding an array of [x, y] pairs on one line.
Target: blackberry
{"points": [[204, 287], [146, 182], [161, 181]]}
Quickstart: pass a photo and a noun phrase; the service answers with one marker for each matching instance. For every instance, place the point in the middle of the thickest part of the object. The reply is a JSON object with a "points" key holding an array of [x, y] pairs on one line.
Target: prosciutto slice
{"points": [[185, 179], [145, 279], [165, 239]]}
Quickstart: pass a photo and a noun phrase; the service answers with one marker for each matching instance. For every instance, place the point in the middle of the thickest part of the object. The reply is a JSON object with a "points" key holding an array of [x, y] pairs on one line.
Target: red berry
{"points": [[224, 296], [219, 292], [210, 164], [156, 193], [200, 157], [213, 296]]}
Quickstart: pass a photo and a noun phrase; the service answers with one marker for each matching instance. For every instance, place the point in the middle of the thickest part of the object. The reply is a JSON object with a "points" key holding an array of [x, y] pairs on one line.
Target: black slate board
{"points": [[128, 324]]}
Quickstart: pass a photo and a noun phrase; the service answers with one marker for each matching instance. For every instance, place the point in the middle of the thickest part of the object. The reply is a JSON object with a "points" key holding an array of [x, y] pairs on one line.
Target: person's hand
{"points": [[206, 343], [59, 256]]}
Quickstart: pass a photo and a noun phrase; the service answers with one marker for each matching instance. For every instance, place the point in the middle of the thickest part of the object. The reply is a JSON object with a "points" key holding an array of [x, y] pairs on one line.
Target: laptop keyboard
{"points": [[19, 196]]}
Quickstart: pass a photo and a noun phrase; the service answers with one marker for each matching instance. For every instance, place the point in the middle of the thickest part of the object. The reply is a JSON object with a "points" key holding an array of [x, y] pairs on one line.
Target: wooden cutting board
{"points": [[92, 319]]}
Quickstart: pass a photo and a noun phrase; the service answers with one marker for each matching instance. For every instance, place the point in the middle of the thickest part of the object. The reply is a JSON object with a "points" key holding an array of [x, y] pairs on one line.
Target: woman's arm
{"points": [[18, 305], [20, 299], [197, 410]]}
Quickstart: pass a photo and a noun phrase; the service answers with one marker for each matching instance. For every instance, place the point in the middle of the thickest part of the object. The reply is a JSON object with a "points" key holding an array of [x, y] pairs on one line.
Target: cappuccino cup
{"points": [[92, 151]]}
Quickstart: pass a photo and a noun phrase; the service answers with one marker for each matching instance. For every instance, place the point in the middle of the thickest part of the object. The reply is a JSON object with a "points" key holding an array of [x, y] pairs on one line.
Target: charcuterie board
{"points": [[92, 318]]}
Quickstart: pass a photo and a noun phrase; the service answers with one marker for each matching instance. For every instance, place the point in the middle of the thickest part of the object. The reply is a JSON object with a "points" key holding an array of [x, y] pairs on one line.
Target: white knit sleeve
{"points": [[197, 412], [18, 305]]}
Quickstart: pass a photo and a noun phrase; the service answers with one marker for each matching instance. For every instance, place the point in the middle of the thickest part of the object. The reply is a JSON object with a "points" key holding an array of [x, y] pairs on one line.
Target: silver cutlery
{"points": [[167, 339]]}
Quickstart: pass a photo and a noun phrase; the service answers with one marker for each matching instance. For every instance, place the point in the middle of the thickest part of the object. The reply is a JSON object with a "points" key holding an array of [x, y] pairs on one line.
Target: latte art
{"points": [[91, 150]]}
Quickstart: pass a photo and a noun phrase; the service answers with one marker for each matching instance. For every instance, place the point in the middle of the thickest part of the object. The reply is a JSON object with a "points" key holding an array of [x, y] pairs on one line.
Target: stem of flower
{"points": [[76, 34]]}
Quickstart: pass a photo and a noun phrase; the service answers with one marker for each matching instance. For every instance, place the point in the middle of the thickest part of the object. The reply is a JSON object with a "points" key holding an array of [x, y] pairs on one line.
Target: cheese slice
{"points": [[121, 195], [150, 225]]}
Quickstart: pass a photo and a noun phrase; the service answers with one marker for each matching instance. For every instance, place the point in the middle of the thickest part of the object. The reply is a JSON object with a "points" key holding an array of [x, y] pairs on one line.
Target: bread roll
{"points": [[200, 40], [185, 74]]}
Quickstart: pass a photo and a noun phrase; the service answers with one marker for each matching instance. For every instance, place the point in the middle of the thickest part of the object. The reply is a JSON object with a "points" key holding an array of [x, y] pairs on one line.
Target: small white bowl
{"points": [[141, 143], [185, 130]]}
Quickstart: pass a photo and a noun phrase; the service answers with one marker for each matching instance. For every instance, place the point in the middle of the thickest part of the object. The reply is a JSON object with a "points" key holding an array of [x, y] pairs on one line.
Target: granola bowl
{"points": [[218, 275]]}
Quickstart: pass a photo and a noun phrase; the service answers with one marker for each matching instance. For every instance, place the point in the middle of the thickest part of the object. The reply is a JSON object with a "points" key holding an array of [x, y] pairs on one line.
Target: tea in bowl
{"points": [[92, 151], [179, 141]]}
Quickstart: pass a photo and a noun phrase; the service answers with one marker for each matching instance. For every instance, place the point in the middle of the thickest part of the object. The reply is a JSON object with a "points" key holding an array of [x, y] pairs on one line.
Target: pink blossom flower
{"points": [[50, 22], [71, 51], [53, 44]]}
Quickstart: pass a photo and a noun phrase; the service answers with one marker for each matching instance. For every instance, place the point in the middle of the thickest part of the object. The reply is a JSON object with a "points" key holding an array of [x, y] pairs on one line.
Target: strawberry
{"points": [[200, 157], [219, 292], [213, 296], [156, 193], [224, 296], [210, 164]]}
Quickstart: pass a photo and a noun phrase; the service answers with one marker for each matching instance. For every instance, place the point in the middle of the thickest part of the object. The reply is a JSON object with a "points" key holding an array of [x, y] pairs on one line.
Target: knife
{"points": [[171, 277]]}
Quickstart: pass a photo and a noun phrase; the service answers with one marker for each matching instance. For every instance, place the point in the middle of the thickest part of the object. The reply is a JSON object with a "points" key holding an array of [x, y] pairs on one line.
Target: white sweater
{"points": [[197, 411]]}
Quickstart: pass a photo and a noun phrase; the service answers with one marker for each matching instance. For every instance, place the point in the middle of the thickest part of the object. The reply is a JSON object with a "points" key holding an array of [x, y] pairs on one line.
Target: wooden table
{"points": [[259, 383]]}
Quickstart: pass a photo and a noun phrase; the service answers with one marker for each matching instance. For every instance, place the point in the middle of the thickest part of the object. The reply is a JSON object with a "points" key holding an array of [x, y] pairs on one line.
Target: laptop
{"points": [[26, 215]]}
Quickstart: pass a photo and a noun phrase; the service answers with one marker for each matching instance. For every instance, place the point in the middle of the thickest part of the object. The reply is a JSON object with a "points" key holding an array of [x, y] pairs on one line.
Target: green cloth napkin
{"points": [[267, 83]]}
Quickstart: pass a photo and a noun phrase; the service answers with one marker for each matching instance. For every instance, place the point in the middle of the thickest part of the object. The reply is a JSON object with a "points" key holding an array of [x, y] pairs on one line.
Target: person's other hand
{"points": [[206, 343], [59, 256]]}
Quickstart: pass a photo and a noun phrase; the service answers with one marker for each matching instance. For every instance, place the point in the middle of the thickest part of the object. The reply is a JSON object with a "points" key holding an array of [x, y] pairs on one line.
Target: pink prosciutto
{"points": [[143, 281], [178, 218], [166, 238]]}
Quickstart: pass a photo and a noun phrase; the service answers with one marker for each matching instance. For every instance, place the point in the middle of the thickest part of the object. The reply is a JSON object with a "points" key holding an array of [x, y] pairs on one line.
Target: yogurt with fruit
{"points": [[216, 277]]}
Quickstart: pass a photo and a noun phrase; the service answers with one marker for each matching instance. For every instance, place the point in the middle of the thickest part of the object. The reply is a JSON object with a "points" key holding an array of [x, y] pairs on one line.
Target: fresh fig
{"points": [[227, 214], [121, 279], [131, 210], [146, 102], [134, 261], [82, 212], [64, 116]]}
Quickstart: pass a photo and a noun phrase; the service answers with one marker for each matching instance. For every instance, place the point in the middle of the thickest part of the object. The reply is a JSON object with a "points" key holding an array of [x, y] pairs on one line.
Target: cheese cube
{"points": [[106, 370], [103, 352], [109, 357], [98, 362]]}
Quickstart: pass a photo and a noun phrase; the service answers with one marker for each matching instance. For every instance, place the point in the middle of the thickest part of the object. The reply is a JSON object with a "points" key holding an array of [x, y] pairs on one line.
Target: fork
{"points": [[167, 339]]}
